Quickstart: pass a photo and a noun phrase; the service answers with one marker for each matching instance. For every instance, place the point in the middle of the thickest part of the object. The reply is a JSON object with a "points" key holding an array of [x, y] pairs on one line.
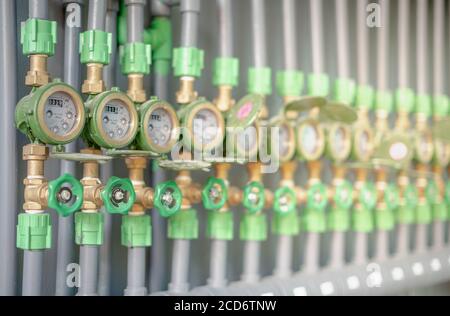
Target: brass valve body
{"points": [[36, 186], [136, 90], [186, 94], [38, 75], [144, 195], [94, 83], [224, 100]]}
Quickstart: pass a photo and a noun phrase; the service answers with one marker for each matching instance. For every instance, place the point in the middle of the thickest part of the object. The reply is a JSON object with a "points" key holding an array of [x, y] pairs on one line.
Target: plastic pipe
{"points": [[190, 11], [283, 265], [135, 25], [363, 44], [33, 267], [342, 39], [106, 170], [403, 233], [383, 47], [422, 46], [259, 33], [97, 14], [226, 45], [8, 163], [361, 248], [38, 9], [337, 250], [180, 267], [317, 36], [312, 253], [159, 8], [65, 247], [403, 43], [218, 264], [290, 35], [382, 245], [88, 271], [252, 255]]}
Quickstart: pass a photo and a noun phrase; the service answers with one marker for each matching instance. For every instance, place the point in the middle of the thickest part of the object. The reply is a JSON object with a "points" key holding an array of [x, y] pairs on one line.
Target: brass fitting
{"points": [[36, 186], [254, 172], [403, 122], [144, 195], [192, 192], [422, 181], [38, 75], [187, 94], [136, 90], [222, 172], [224, 100], [315, 171], [438, 172], [235, 196], [92, 186], [381, 184], [382, 122], [94, 83], [291, 115]]}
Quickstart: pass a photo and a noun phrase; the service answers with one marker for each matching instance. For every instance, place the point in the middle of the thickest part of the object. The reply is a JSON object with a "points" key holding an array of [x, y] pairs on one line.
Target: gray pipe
{"points": [[421, 238], [65, 245], [135, 20], [342, 39], [190, 11], [439, 47], [290, 35], [403, 43], [38, 9], [136, 272], [97, 14], [218, 264], [88, 271], [33, 267], [8, 163], [259, 33], [180, 266], [362, 32], [226, 45], [252, 256], [317, 36], [159, 8], [312, 253], [403, 234], [283, 259], [422, 46], [106, 170], [438, 234], [337, 248], [383, 48], [361, 248], [382, 245]]}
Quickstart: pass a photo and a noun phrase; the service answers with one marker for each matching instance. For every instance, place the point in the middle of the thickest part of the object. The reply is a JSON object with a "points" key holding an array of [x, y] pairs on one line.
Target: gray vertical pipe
{"points": [[337, 250], [226, 45], [283, 264], [290, 35], [190, 10], [382, 245], [342, 39], [89, 255], [33, 261], [312, 253], [317, 36], [218, 264], [422, 46], [383, 48], [252, 256], [403, 240], [363, 47], [135, 18], [361, 248], [259, 33], [8, 164], [180, 266], [106, 170], [65, 244]]}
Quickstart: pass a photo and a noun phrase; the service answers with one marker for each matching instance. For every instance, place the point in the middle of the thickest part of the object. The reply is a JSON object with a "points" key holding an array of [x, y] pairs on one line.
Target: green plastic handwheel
{"points": [[368, 196], [118, 196], [343, 197], [65, 195], [285, 201], [168, 198], [215, 194], [411, 196], [391, 197], [254, 199], [317, 197]]}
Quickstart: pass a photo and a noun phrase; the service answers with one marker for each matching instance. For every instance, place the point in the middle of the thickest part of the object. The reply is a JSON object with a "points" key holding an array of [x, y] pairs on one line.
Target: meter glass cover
{"points": [[116, 120], [248, 140], [60, 113], [206, 127], [284, 140], [160, 127], [310, 139]]}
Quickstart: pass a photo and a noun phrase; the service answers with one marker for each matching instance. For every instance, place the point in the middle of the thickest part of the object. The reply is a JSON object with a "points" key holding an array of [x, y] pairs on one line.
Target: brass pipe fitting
{"points": [[192, 193], [36, 186], [144, 195], [136, 90], [38, 75], [94, 83], [315, 171], [186, 93], [224, 100], [91, 183], [235, 196]]}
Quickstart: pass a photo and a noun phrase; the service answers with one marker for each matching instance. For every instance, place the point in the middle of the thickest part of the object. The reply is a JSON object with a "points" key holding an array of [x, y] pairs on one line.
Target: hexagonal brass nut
{"points": [[186, 97], [37, 78], [93, 87], [35, 151], [137, 96]]}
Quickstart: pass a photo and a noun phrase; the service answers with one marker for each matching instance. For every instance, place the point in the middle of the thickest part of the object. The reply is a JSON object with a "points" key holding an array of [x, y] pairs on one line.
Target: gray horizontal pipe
{"points": [[388, 278]]}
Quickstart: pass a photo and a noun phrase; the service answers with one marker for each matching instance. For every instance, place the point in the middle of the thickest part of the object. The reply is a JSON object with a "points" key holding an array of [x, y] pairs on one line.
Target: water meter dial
{"points": [[245, 142], [363, 143], [286, 141], [424, 147], [441, 153], [113, 120], [53, 114], [310, 140], [339, 142]]}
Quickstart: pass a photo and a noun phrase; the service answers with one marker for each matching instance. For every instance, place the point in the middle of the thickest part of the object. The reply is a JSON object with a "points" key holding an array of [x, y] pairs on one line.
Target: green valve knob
{"points": [[368, 196], [317, 197], [411, 196], [168, 198], [285, 201], [215, 194], [343, 197], [391, 197], [254, 197], [118, 196], [65, 195]]}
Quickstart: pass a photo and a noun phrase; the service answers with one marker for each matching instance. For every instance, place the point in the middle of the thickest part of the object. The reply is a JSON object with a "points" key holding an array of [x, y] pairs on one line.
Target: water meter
{"points": [[363, 143], [305, 104], [310, 140], [424, 147], [159, 128], [441, 152], [286, 141], [53, 114], [112, 121], [203, 127], [339, 142]]}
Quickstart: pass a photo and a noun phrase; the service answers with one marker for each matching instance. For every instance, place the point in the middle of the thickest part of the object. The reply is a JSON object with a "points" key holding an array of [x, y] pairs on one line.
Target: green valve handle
{"points": [[65, 195], [254, 197], [285, 201], [343, 197], [118, 196], [168, 198], [215, 194], [368, 196], [317, 197], [391, 197]]}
